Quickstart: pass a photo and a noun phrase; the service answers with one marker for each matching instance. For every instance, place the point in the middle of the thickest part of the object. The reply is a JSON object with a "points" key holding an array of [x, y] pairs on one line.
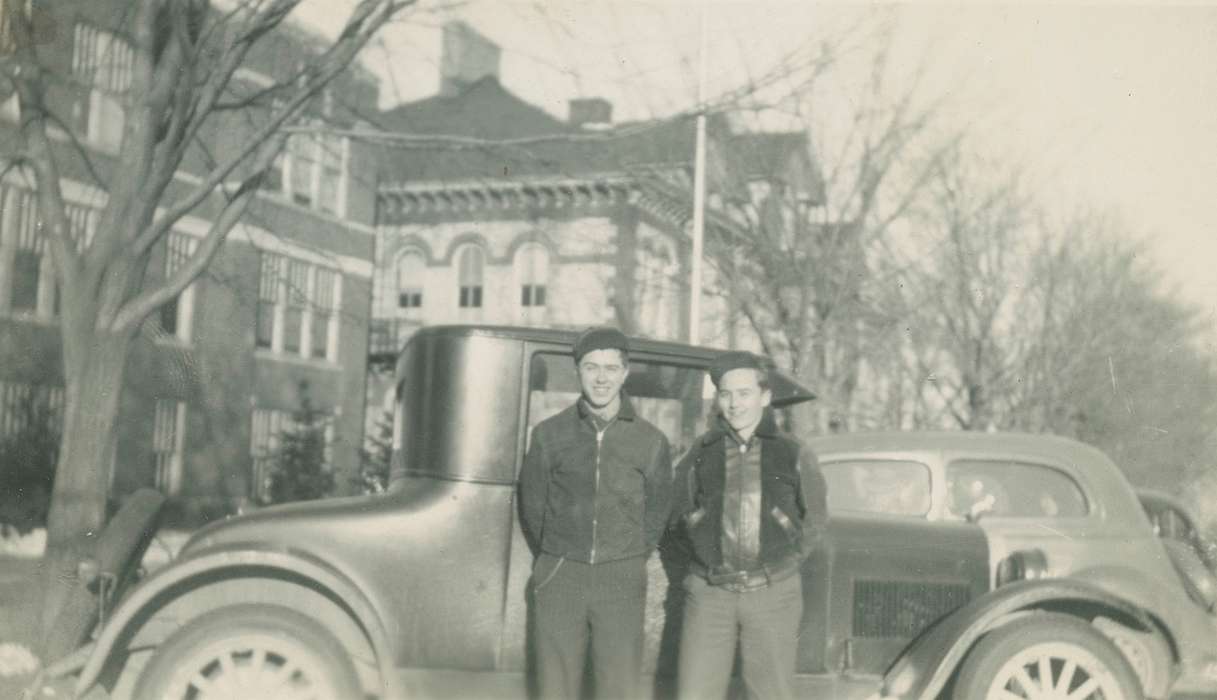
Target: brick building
{"points": [[494, 211], [213, 377]]}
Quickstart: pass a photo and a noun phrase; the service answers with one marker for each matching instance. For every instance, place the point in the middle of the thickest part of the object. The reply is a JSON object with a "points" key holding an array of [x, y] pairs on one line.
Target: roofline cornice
{"points": [[479, 198], [513, 184]]}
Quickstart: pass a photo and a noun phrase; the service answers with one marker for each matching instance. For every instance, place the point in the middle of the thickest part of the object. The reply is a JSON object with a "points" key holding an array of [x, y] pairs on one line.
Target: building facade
{"points": [[214, 377], [494, 211]]}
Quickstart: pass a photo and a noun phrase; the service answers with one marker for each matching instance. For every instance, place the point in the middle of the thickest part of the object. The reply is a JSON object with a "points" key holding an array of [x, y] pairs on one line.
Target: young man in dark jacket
{"points": [[595, 495], [753, 505]]}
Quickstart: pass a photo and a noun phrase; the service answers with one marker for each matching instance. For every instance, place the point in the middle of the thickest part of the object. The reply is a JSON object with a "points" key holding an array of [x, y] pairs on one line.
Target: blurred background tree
{"points": [[302, 469]]}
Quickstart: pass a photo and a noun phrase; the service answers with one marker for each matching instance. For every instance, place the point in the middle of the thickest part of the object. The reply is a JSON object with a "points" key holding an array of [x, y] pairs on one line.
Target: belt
{"points": [[747, 580]]}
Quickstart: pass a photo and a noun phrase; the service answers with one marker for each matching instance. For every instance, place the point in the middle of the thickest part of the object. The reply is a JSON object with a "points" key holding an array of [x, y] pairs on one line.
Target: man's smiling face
{"points": [[742, 399], [601, 376]]}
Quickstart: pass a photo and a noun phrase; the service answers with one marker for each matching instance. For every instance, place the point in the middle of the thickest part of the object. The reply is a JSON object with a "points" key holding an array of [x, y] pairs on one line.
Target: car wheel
{"points": [[1046, 656], [250, 651]]}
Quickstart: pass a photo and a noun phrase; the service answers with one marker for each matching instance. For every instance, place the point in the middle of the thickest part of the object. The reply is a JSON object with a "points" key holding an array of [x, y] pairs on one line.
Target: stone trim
{"points": [[482, 199]]}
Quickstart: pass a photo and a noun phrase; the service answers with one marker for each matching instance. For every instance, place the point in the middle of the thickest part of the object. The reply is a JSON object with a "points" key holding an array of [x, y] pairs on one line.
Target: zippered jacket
{"points": [[791, 500], [596, 496]]}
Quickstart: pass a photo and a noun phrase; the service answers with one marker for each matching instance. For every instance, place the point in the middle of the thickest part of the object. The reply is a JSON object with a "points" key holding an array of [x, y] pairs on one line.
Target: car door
{"points": [[885, 572], [1024, 504]]}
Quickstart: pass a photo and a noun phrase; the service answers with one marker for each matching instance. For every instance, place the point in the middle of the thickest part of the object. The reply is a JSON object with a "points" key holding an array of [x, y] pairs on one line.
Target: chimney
{"points": [[590, 112], [465, 58]]}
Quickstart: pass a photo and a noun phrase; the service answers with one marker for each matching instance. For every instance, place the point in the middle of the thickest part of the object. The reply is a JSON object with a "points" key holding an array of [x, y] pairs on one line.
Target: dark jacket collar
{"points": [[767, 428], [626, 412]]}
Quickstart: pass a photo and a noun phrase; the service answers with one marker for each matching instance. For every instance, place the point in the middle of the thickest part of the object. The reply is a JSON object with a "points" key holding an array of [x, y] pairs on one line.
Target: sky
{"points": [[1113, 106]]}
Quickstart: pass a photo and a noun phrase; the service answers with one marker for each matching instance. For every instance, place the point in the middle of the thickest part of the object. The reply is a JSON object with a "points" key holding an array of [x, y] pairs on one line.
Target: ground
{"points": [[19, 558], [18, 602]]}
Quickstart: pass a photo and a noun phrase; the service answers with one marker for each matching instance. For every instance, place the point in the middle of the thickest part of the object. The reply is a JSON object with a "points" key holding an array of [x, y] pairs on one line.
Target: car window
{"points": [[675, 398], [1009, 489], [892, 487], [1169, 522]]}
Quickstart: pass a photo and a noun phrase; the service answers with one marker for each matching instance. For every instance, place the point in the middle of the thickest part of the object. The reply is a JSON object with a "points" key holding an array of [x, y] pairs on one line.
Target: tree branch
{"points": [[366, 19], [143, 304], [28, 79]]}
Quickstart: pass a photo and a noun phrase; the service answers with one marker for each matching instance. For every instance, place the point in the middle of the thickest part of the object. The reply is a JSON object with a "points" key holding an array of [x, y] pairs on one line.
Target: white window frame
{"points": [[310, 313], [530, 272], [471, 309], [105, 63], [656, 312], [316, 144], [22, 230], [413, 286], [266, 425], [168, 436], [183, 333]]}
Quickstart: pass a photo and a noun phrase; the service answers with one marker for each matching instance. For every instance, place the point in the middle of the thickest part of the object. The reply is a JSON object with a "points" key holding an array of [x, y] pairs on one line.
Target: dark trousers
{"points": [[576, 603], [765, 622]]}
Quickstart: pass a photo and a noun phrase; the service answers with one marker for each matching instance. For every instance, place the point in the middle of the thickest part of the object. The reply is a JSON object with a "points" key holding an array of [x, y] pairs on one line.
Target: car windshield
{"points": [[1010, 489], [891, 487]]}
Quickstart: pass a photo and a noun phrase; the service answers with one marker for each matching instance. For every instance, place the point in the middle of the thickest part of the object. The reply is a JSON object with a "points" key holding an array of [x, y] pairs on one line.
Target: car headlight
{"points": [[1027, 564]]}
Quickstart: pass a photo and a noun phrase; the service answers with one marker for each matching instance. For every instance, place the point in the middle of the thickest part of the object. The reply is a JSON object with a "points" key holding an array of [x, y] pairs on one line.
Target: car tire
{"points": [[250, 651], [1007, 659]]}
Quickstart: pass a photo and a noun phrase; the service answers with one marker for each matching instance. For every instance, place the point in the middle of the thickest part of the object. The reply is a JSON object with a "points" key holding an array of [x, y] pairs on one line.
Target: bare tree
{"points": [[798, 267], [969, 289], [1020, 322], [185, 57]]}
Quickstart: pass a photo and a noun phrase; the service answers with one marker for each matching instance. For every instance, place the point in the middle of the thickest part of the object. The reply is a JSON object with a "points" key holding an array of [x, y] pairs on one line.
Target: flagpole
{"points": [[699, 190]]}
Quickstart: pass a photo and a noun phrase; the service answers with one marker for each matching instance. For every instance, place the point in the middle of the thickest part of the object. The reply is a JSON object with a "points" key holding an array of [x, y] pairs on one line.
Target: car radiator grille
{"points": [[902, 608]]}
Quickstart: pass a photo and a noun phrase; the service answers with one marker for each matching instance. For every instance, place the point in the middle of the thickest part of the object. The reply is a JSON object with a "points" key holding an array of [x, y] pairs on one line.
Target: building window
{"points": [[296, 295], [410, 267], [324, 323], [82, 222], [312, 172], [331, 154], [267, 426], [21, 405], [104, 62], [168, 426], [177, 314], [26, 264], [27, 272], [470, 262], [31, 279], [532, 273], [298, 305], [657, 289]]}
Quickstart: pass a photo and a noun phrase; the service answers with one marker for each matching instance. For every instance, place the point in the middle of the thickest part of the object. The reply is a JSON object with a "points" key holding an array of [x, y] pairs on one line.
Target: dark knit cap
{"points": [[735, 359], [600, 338]]}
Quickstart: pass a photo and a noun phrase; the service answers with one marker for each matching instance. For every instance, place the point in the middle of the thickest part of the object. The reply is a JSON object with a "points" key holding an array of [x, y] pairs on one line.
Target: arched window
{"points": [[532, 274], [657, 289], [410, 268], [470, 262]]}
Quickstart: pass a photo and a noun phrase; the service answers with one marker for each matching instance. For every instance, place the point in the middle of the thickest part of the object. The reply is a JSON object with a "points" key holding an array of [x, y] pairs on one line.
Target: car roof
{"points": [[563, 336], [1031, 444], [786, 389]]}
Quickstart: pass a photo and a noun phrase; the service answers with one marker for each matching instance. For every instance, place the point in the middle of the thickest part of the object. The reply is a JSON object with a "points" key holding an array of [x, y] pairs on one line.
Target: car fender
{"points": [[236, 556], [927, 664]]}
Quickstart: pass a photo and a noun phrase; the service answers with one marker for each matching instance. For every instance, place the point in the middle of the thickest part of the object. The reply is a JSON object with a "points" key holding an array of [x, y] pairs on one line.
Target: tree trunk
{"points": [[93, 369]]}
